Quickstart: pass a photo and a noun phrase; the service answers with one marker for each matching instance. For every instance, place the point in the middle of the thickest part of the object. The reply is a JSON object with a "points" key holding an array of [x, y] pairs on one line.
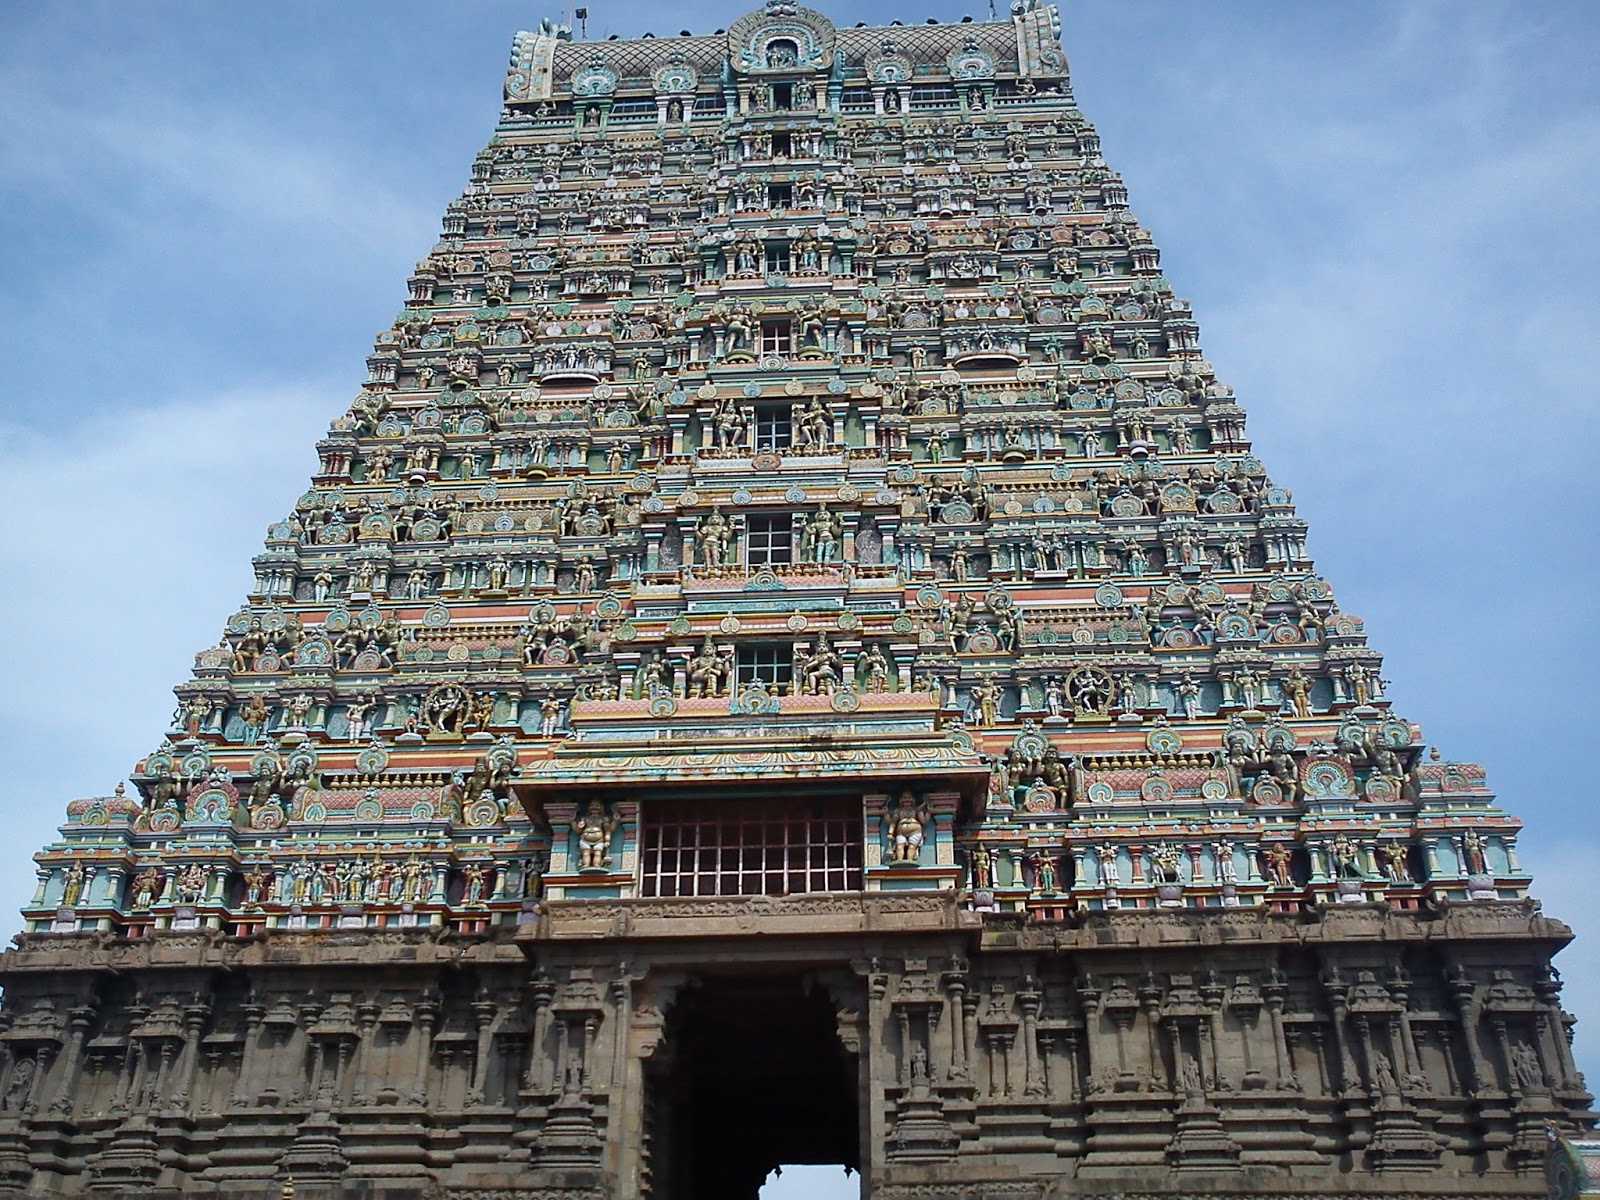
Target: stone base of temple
{"points": [[943, 1054]]}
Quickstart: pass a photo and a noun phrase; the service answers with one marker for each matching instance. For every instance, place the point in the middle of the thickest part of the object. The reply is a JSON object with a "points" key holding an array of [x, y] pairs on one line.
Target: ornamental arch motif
{"points": [[781, 37]]}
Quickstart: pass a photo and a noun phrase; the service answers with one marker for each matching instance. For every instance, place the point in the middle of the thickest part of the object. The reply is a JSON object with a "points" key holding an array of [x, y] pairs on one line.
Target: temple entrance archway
{"points": [[751, 1075]]}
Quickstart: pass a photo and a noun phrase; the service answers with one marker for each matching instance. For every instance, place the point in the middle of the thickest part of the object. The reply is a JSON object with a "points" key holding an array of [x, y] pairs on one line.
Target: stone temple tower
{"points": [[788, 657]]}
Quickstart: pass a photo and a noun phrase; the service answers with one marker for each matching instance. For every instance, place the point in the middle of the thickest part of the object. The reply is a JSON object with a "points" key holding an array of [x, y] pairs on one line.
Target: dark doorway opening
{"points": [[751, 1075]]}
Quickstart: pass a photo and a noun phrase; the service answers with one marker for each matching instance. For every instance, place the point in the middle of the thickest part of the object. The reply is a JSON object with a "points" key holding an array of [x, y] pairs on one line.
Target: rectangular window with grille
{"points": [[768, 846], [933, 96], [769, 539], [774, 427], [777, 337], [777, 259], [770, 662]]}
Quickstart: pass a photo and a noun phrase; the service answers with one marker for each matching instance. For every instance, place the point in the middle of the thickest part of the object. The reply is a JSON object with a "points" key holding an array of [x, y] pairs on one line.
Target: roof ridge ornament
{"points": [[781, 36]]}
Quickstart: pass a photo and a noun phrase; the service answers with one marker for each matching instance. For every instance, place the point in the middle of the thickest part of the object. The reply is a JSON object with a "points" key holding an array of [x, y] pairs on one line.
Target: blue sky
{"points": [[1383, 212]]}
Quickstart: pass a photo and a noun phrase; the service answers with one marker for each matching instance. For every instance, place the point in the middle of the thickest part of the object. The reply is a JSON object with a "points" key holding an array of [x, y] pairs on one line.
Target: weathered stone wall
{"points": [[1360, 1052]]}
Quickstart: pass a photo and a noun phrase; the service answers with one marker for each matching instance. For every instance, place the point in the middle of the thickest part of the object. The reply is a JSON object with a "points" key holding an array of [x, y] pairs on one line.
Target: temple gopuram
{"points": [[789, 657]]}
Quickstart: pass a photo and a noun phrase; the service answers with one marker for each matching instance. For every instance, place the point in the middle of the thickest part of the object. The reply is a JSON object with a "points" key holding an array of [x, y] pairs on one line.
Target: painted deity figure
{"points": [[254, 715], [1360, 680], [256, 883], [195, 712], [594, 831], [355, 715], [708, 671], [72, 890], [477, 879], [1188, 692], [1110, 872], [959, 563], [1055, 698], [1227, 872], [1044, 873], [499, 572], [192, 883], [1346, 856], [872, 671], [908, 821], [986, 698], [1167, 864], [713, 534], [549, 716], [819, 671], [1394, 862], [820, 540], [300, 707], [815, 426], [584, 576], [411, 889], [982, 866], [1298, 689]]}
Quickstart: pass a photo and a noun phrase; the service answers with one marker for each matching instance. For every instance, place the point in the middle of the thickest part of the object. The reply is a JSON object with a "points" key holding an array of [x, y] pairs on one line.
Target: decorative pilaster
{"points": [[921, 1133]]}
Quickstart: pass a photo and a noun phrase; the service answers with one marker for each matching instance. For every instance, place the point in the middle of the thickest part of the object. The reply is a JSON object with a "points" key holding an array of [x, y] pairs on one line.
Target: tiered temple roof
{"points": [[789, 656], [794, 404]]}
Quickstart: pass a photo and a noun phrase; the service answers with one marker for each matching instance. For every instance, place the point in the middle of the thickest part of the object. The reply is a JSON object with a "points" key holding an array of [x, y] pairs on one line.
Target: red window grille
{"points": [[751, 846]]}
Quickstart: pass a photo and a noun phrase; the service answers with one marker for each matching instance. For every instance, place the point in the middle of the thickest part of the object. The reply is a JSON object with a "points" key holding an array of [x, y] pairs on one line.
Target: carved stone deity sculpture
{"points": [[594, 830], [907, 824]]}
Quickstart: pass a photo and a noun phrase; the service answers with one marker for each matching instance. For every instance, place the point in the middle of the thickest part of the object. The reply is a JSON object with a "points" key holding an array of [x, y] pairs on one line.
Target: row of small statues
{"points": [[907, 819], [375, 880], [1020, 135], [1346, 857], [818, 671]]}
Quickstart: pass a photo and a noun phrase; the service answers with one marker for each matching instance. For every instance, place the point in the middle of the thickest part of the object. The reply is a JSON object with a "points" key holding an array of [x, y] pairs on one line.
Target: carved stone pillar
{"points": [[194, 1020], [534, 1076], [1502, 1041], [1348, 1075], [367, 1028], [1408, 1040], [427, 1009], [1212, 993], [1089, 998], [1150, 1003], [484, 1012], [1029, 1000], [1553, 1031], [1464, 992], [955, 985], [1274, 993], [1174, 1072], [344, 1052], [122, 1099], [253, 1014], [79, 1021]]}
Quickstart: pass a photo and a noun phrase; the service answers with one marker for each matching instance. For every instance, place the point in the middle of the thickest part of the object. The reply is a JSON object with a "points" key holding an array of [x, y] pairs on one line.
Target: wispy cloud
{"points": [[232, 165]]}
